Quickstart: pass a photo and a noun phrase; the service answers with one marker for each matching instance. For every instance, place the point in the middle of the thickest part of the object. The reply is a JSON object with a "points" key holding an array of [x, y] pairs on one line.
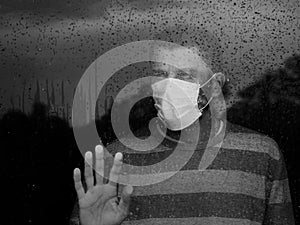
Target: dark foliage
{"points": [[38, 154]]}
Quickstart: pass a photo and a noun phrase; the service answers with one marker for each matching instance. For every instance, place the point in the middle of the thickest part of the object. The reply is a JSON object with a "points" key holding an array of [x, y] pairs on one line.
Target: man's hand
{"points": [[99, 205]]}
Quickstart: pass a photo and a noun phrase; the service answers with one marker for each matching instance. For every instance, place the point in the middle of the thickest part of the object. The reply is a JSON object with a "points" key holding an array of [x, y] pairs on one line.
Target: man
{"points": [[234, 176]]}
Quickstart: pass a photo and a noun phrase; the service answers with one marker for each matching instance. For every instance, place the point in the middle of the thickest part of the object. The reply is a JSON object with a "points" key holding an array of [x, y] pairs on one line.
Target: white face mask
{"points": [[179, 106]]}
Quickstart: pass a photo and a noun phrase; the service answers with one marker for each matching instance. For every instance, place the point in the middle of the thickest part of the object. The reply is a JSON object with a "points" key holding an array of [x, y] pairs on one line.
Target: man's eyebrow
{"points": [[188, 70], [156, 69]]}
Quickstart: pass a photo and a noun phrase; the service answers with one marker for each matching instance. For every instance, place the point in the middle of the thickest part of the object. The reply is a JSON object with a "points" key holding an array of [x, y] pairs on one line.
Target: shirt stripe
{"points": [[197, 205], [195, 181], [279, 214], [243, 141], [226, 159], [247, 161], [192, 221], [280, 192], [252, 142]]}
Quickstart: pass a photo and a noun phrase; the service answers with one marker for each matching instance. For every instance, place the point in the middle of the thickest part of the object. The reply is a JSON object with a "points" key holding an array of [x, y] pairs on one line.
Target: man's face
{"points": [[189, 66], [185, 64], [178, 107]]}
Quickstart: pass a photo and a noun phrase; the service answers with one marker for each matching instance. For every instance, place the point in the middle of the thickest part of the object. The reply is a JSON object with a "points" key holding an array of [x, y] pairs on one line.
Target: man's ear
{"points": [[217, 84]]}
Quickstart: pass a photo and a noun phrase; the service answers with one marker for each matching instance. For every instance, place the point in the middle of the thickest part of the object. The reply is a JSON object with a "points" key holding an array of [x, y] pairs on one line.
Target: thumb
{"points": [[125, 199]]}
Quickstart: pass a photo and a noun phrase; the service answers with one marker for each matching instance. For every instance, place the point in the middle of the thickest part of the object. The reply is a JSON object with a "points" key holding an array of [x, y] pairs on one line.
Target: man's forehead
{"points": [[181, 58]]}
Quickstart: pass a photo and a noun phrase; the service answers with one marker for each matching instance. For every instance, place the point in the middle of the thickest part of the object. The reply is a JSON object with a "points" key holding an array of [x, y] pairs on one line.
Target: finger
{"points": [[78, 184], [115, 171], [99, 164], [88, 170], [125, 199]]}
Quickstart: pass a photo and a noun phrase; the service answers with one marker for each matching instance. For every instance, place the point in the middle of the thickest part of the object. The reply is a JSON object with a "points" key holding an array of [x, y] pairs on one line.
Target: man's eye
{"points": [[161, 73], [183, 74]]}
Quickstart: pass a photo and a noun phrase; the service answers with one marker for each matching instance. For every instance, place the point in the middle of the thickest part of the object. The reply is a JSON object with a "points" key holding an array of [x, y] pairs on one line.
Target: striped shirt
{"points": [[245, 183]]}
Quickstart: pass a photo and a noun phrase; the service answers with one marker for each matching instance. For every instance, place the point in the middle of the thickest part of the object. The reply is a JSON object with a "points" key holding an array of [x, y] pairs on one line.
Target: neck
{"points": [[199, 131]]}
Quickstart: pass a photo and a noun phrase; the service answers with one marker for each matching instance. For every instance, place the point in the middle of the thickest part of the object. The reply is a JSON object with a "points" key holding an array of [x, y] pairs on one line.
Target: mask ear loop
{"points": [[201, 110], [206, 82]]}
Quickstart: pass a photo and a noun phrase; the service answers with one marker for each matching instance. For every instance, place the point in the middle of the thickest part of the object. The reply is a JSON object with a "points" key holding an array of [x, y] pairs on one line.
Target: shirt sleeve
{"points": [[279, 209]]}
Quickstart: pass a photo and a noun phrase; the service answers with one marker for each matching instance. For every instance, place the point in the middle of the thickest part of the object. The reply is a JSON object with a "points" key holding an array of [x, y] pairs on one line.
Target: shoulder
{"points": [[241, 138]]}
